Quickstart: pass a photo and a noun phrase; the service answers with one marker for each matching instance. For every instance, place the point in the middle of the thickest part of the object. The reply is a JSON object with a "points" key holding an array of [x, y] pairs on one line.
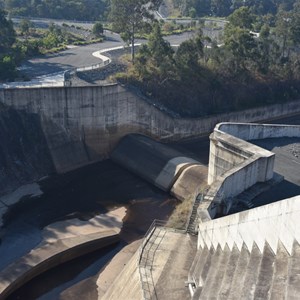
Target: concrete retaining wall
{"points": [[249, 132], [48, 256], [227, 152], [83, 124], [235, 165]]}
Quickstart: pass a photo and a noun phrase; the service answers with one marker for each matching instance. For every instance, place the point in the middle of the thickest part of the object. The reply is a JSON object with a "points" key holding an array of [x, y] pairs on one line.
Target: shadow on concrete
{"points": [[272, 143], [281, 191], [34, 69]]}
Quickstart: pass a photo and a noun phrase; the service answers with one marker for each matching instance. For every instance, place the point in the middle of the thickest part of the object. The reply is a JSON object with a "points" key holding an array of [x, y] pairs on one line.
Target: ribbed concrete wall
{"points": [[83, 124], [273, 223]]}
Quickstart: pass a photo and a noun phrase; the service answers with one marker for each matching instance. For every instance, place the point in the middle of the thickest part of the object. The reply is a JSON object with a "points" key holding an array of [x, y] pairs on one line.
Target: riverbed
{"points": [[81, 194]]}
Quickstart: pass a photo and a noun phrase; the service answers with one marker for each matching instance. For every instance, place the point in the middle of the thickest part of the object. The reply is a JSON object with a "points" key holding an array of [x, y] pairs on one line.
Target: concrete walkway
{"points": [[169, 269], [172, 261]]}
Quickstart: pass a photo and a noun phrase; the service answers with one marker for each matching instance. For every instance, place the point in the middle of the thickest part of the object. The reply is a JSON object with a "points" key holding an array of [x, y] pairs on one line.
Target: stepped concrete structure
{"points": [[253, 254]]}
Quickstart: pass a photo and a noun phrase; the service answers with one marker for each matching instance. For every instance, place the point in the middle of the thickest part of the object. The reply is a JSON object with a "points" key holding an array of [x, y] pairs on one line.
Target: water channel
{"points": [[84, 193]]}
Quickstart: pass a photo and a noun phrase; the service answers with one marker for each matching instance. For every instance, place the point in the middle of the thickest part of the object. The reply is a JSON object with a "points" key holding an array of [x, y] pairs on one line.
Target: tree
{"points": [[7, 39], [131, 16], [25, 26], [98, 29], [240, 45], [220, 8], [7, 34], [189, 54], [155, 59], [242, 17]]}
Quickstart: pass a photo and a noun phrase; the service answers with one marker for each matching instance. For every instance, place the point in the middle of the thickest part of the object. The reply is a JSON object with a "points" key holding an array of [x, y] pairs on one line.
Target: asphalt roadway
{"points": [[80, 56]]}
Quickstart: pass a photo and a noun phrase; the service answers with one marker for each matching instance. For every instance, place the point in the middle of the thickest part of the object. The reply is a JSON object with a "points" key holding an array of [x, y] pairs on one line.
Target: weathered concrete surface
{"points": [[159, 164], [83, 124], [172, 261], [127, 284], [227, 151], [115, 267], [255, 253], [169, 269], [6, 201], [62, 242], [24, 154], [249, 132], [269, 223], [191, 182], [236, 165]]}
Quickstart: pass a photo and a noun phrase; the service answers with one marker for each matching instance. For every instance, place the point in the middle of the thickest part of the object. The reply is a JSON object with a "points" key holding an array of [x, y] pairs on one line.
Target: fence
{"points": [[151, 242]]}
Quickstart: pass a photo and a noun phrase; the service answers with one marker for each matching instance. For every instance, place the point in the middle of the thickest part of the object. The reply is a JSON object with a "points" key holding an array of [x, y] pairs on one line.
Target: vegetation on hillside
{"points": [[7, 55], [94, 10], [132, 17], [59, 9], [27, 41], [223, 8], [201, 77]]}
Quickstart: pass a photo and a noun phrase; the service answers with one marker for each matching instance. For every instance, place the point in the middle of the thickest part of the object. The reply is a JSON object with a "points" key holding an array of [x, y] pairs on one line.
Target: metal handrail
{"points": [[148, 285], [145, 261], [196, 203]]}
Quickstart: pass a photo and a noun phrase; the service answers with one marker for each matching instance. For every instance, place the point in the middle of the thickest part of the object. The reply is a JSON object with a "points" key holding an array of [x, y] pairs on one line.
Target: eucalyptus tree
{"points": [[130, 17]]}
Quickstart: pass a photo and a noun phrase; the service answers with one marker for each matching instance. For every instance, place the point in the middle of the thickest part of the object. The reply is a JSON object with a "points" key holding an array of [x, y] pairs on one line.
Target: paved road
{"points": [[81, 56], [72, 58]]}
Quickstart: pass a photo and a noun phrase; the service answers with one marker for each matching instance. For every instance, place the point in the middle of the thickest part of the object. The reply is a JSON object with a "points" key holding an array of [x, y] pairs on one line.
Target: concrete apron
{"points": [[63, 241]]}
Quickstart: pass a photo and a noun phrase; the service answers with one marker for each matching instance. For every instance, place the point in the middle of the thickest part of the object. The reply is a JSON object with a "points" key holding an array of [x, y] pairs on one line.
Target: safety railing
{"points": [[152, 240], [147, 250]]}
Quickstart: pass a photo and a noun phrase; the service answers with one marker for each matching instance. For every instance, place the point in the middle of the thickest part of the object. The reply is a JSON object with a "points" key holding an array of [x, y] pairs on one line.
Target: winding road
{"points": [[80, 56]]}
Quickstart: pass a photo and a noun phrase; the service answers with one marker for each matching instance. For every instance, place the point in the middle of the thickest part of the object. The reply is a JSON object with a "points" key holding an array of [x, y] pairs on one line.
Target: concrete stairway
{"points": [[245, 199], [193, 220], [244, 274]]}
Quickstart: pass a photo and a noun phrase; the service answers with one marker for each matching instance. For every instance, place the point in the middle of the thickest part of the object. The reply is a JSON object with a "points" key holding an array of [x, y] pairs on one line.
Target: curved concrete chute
{"points": [[157, 163]]}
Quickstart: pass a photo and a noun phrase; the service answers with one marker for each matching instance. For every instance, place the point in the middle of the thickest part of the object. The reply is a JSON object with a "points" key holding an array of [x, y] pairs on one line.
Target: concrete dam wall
{"points": [[24, 155], [81, 125]]}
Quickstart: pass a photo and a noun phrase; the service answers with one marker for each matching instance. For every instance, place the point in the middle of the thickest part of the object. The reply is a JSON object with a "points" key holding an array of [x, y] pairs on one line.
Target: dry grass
{"points": [[180, 215]]}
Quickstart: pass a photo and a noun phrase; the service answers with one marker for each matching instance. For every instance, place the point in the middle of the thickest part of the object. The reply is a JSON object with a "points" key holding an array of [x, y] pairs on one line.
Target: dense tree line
{"points": [[58, 9], [7, 54], [99, 9], [247, 70], [223, 8]]}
